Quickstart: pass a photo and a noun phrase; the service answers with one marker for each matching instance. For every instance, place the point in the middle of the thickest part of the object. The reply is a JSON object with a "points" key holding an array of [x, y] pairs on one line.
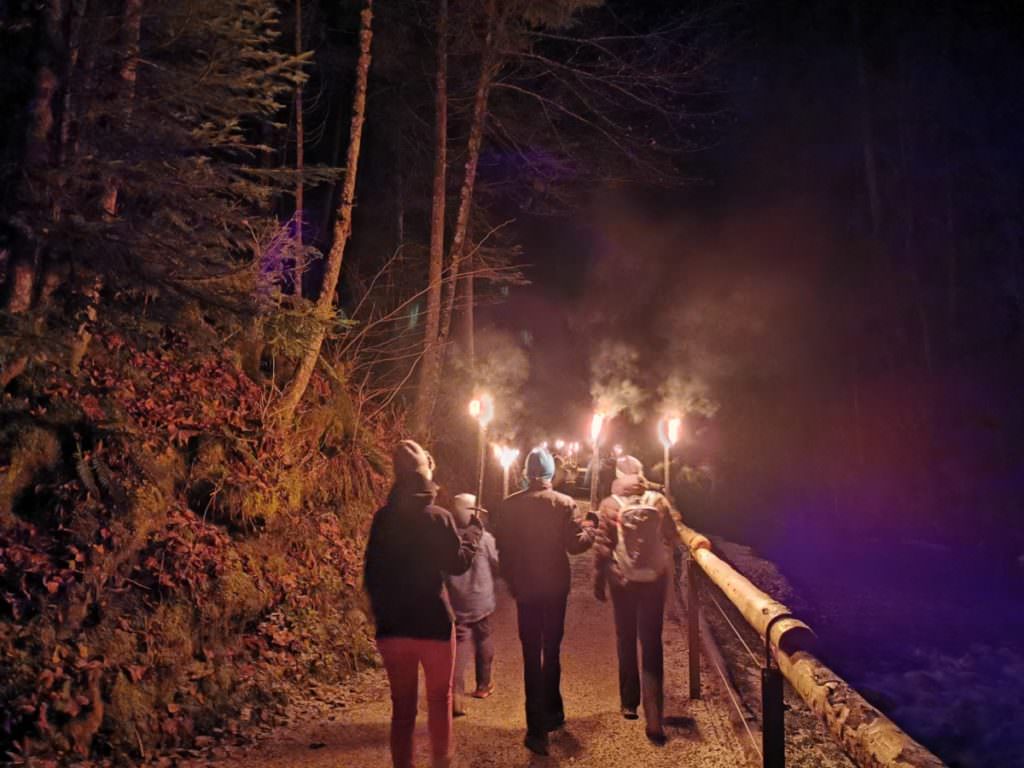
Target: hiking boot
{"points": [[483, 693], [657, 737], [630, 713], [536, 743]]}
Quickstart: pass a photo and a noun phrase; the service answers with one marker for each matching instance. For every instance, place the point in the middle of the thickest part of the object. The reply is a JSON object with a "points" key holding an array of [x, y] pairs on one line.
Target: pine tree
{"points": [[152, 178]]}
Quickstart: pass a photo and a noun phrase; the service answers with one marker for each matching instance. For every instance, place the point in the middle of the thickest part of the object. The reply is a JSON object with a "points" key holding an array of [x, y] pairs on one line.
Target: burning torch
{"points": [[668, 433], [506, 456], [596, 423], [482, 409]]}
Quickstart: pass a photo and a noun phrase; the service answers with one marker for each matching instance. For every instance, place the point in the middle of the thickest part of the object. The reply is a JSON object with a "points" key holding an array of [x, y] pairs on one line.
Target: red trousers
{"points": [[402, 659]]}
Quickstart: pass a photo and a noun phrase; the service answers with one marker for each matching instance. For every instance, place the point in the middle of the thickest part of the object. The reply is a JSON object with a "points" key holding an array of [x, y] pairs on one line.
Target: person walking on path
{"points": [[472, 598], [633, 560], [536, 531], [412, 545]]}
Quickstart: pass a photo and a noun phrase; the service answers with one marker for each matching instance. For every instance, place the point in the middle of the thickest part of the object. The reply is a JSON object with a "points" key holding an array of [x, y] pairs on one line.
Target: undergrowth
{"points": [[169, 565]]}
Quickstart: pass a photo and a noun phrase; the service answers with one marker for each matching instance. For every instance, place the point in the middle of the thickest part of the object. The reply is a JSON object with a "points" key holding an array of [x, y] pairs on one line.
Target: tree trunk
{"points": [[476, 135], [426, 393], [342, 227], [132, 30], [64, 150], [23, 267], [300, 161], [469, 311], [54, 271]]}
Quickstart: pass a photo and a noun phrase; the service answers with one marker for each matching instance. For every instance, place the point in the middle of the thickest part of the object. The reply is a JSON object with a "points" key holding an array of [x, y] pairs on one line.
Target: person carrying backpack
{"points": [[633, 560]]}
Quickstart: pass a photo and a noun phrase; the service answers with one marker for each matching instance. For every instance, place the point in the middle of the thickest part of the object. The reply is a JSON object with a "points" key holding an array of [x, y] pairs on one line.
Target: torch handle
{"points": [[482, 462]]}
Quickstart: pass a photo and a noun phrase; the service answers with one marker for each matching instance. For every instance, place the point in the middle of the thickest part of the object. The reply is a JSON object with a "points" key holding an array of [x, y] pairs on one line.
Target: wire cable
{"points": [[736, 706], [732, 626]]}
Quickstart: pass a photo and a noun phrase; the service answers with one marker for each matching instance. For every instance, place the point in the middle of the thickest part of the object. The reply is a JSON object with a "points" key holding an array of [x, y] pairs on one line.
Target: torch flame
{"points": [[482, 409], [675, 426], [486, 409], [506, 456], [669, 429], [596, 424]]}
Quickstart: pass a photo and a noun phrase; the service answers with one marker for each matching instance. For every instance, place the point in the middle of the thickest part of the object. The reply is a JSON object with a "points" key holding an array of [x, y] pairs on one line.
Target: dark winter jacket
{"points": [[536, 530], [606, 568], [472, 593], [412, 545]]}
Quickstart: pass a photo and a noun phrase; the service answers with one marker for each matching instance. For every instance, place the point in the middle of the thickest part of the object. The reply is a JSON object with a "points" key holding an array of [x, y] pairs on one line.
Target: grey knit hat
{"points": [[411, 460]]}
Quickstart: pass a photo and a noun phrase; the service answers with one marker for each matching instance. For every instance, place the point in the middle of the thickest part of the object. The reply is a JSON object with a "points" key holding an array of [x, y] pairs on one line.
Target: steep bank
{"points": [[169, 566]]}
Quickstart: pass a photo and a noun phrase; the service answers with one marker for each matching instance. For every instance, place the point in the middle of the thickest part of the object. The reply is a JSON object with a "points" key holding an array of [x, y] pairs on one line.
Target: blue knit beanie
{"points": [[540, 465]]}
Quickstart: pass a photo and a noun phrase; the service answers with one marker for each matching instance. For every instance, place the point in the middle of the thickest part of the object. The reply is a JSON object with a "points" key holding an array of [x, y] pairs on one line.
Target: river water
{"points": [[932, 633]]}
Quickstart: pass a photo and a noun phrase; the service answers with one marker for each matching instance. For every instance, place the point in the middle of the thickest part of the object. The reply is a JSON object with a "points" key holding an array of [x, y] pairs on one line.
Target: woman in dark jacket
{"points": [[412, 545]]}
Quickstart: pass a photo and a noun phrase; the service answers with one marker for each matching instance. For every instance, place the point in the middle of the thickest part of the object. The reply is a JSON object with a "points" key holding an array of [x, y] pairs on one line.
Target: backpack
{"points": [[640, 552]]}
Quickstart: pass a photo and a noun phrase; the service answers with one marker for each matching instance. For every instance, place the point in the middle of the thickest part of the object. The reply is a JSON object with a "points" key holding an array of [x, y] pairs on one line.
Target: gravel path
{"points": [[349, 728]]}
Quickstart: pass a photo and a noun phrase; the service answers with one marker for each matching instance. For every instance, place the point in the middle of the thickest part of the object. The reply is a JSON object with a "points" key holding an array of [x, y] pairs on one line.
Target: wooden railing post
{"points": [[693, 625]]}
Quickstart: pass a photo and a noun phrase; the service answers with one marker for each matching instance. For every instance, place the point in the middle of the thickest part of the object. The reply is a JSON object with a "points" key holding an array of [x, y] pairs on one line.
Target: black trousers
{"points": [[639, 613], [541, 627]]}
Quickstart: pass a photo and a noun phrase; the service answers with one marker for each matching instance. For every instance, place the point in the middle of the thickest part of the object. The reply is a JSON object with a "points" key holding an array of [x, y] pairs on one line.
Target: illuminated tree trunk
{"points": [[342, 227], [476, 135], [431, 363], [468, 311]]}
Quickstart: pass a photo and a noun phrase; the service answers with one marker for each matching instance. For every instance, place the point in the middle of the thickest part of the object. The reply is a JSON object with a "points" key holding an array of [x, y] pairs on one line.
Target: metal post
{"points": [[773, 711], [693, 625], [773, 707]]}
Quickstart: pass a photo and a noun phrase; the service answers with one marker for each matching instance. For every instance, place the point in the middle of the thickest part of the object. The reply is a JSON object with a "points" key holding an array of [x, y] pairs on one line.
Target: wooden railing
{"points": [[867, 735]]}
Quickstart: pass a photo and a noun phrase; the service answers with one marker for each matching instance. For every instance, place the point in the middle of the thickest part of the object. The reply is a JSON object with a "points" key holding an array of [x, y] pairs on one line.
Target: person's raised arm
{"points": [[455, 548], [578, 534]]}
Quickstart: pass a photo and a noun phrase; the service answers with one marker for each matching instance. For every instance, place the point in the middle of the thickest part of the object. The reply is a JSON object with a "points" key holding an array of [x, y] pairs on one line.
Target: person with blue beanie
{"points": [[536, 530], [540, 464]]}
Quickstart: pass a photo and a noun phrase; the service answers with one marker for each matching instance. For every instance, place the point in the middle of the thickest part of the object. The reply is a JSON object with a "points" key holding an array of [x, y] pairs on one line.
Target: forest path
{"points": [[350, 729]]}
